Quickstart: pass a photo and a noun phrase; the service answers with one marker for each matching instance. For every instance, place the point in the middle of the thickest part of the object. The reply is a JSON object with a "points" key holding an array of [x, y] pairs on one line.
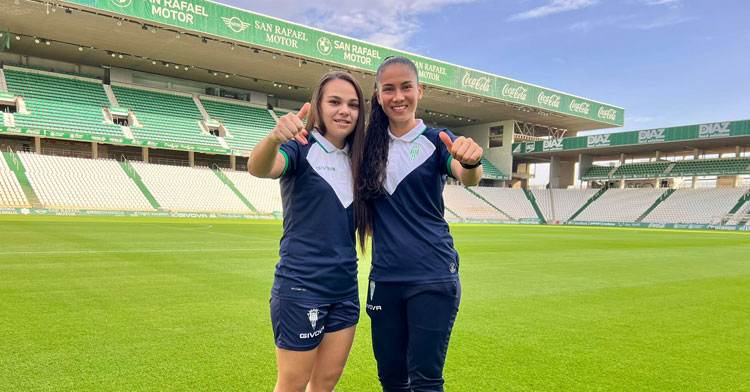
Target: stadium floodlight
{"points": [[80, 49], [119, 55], [186, 68], [36, 40], [18, 38], [153, 62], [176, 67], [47, 42], [226, 76]]}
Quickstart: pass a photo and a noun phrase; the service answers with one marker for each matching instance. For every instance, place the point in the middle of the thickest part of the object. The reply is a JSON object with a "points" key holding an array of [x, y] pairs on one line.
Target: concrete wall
{"points": [[561, 173], [501, 157]]}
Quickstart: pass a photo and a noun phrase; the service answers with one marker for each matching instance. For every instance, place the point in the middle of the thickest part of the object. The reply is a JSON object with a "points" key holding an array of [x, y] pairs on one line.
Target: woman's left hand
{"points": [[464, 150]]}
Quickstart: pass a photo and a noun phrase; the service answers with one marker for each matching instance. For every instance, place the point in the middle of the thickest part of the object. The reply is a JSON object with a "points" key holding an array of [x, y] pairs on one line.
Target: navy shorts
{"points": [[300, 326]]}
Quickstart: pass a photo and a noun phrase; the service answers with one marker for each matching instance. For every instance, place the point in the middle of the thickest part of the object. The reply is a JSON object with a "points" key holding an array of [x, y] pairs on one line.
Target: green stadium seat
{"points": [[164, 117], [641, 170], [597, 173], [60, 103], [248, 125]]}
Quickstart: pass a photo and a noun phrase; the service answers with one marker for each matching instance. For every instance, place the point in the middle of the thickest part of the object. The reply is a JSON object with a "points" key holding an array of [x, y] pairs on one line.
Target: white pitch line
{"points": [[133, 251], [213, 232]]}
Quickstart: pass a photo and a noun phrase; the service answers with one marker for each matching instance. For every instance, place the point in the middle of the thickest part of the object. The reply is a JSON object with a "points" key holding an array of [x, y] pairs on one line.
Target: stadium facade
{"points": [[159, 84]]}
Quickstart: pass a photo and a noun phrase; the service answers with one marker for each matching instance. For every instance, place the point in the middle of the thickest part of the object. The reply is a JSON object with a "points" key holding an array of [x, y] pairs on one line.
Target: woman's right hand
{"points": [[289, 126]]}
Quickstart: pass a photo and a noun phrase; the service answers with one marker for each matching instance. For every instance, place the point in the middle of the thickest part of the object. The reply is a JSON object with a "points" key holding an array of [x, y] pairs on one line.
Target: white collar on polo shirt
{"points": [[326, 144], [412, 135]]}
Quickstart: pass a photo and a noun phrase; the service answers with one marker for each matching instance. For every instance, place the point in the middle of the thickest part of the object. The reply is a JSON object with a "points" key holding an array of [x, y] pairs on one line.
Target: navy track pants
{"points": [[411, 328]]}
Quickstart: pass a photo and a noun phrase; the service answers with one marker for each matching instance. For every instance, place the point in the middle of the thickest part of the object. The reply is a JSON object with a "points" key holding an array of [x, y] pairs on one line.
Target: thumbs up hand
{"points": [[289, 126], [464, 150]]}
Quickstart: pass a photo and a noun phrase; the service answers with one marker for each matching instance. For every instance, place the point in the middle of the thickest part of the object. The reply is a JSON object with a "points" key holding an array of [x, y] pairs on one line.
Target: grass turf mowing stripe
{"points": [[543, 308]]}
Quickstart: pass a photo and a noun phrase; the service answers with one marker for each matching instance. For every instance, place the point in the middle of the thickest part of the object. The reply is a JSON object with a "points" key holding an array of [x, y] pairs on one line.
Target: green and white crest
{"points": [[414, 152]]}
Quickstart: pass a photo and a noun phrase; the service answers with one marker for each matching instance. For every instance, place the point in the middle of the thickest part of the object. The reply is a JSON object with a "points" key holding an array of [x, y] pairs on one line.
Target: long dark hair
{"points": [[370, 174], [356, 139]]}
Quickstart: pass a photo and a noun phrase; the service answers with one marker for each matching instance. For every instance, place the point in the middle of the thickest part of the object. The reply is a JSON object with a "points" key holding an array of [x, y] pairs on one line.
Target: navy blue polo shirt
{"points": [[411, 239], [318, 255]]}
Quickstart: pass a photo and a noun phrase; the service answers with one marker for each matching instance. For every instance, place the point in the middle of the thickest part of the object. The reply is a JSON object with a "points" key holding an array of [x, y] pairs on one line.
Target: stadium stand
{"points": [[467, 205], [543, 199], [263, 194], [511, 201], [568, 201], [63, 103], [597, 173], [620, 205], [715, 167], [641, 170], [179, 188], [63, 182], [246, 124], [558, 205], [705, 205], [741, 216], [164, 116], [449, 215], [490, 171], [11, 193]]}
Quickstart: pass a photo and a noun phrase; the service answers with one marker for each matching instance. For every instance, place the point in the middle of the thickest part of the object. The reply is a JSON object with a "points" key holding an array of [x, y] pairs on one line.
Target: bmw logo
{"points": [[324, 46]]}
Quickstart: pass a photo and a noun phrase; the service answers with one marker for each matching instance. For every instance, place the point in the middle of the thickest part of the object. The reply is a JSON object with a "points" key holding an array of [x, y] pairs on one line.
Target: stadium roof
{"points": [[718, 137], [262, 53]]}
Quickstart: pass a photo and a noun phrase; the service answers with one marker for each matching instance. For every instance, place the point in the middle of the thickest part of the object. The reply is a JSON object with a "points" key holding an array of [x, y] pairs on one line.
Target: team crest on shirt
{"points": [[414, 152], [312, 315], [452, 268]]}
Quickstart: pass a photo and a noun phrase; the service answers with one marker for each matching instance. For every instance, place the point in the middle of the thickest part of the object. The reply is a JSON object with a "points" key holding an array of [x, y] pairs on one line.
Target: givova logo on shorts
{"points": [[312, 315], [122, 3]]}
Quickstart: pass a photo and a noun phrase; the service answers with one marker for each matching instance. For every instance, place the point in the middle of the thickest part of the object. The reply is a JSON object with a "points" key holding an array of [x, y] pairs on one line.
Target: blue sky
{"points": [[667, 62]]}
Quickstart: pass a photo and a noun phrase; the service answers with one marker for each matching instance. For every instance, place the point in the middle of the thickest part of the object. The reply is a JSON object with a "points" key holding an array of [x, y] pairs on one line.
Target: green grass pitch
{"points": [[176, 304]]}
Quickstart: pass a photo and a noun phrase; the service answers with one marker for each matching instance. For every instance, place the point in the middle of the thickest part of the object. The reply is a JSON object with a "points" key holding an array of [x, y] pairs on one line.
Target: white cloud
{"points": [[387, 22], [555, 6], [663, 2], [665, 21], [617, 21]]}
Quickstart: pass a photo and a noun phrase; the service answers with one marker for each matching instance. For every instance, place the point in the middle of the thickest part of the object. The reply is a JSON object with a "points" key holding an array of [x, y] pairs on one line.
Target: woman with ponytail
{"points": [[414, 289]]}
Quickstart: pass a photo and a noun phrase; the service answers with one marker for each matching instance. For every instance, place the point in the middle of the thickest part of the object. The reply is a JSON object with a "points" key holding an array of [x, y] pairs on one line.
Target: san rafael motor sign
{"points": [[217, 20]]}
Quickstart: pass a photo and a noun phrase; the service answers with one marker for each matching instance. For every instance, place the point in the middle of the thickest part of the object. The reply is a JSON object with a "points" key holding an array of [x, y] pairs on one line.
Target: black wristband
{"points": [[474, 166]]}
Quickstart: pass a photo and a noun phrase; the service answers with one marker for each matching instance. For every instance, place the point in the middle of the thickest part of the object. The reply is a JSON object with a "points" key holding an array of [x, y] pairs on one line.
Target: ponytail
{"points": [[371, 167]]}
